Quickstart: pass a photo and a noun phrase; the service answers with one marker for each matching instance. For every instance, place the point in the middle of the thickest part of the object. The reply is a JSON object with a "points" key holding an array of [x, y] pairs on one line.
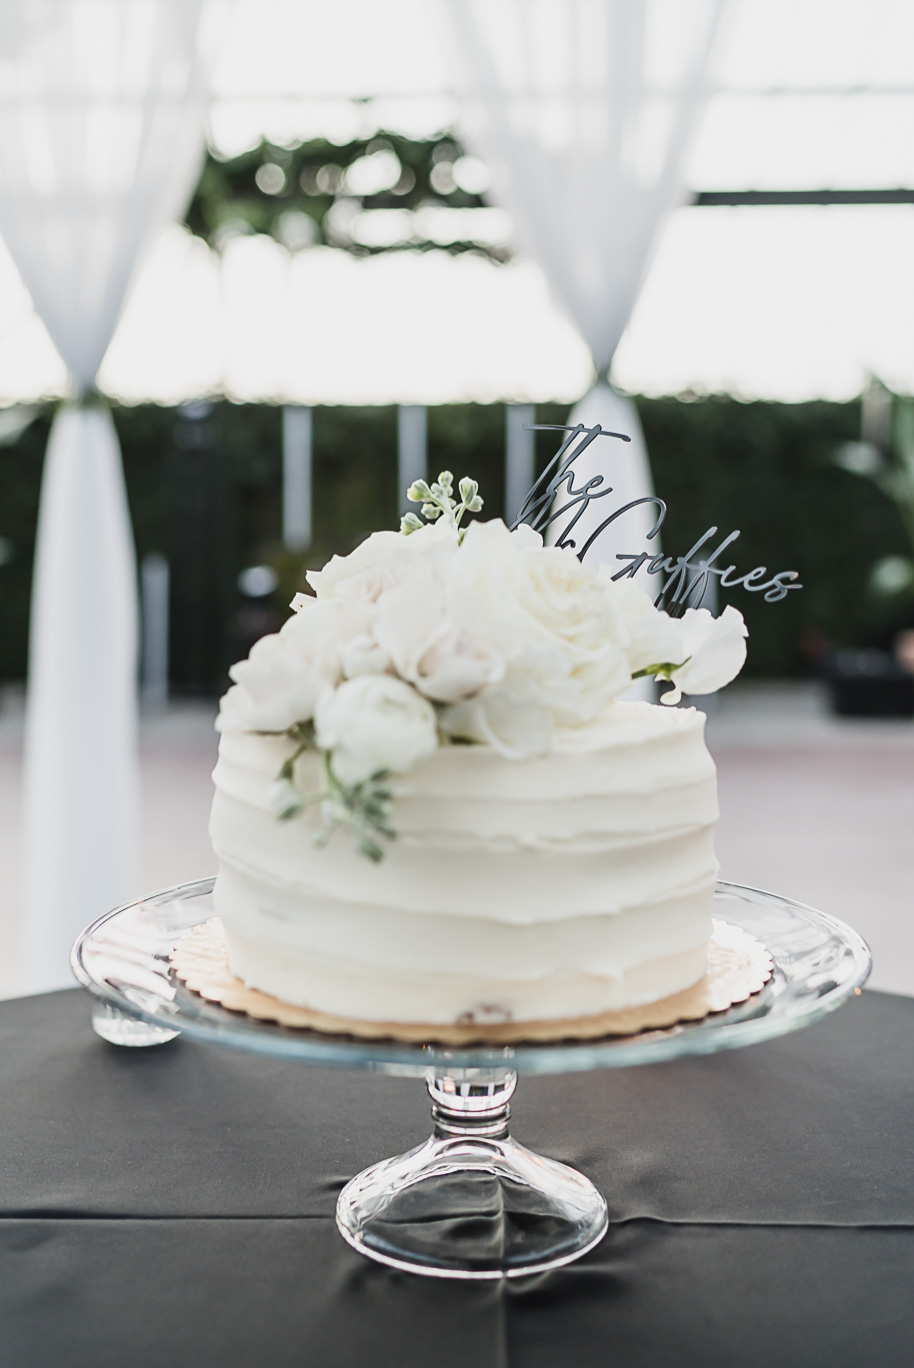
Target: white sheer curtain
{"points": [[101, 138], [584, 111]]}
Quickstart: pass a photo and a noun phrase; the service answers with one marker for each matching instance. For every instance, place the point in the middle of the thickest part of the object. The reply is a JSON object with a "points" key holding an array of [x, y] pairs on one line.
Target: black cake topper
{"points": [[686, 577]]}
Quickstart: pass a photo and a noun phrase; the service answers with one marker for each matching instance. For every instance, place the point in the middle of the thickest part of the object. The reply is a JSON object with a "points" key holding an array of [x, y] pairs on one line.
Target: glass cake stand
{"points": [[471, 1202]]}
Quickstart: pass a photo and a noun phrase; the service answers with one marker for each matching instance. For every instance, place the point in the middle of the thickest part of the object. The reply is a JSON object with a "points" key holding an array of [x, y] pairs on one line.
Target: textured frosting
{"points": [[575, 883]]}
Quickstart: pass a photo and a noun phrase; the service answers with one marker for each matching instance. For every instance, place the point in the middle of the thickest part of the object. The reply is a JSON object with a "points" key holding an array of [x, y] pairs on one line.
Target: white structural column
{"points": [[101, 138], [584, 111], [520, 457], [297, 511], [155, 579], [412, 449]]}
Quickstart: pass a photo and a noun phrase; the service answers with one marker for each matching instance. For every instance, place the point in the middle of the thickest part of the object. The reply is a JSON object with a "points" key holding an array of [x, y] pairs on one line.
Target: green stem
{"points": [[663, 669]]}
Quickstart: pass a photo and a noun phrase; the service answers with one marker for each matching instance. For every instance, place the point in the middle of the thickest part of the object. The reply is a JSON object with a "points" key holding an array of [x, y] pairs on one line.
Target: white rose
{"points": [[364, 656], [548, 615], [714, 650], [455, 666], [515, 730], [444, 661], [331, 634], [278, 685], [348, 573], [341, 626], [382, 561], [372, 723], [273, 689], [321, 626]]}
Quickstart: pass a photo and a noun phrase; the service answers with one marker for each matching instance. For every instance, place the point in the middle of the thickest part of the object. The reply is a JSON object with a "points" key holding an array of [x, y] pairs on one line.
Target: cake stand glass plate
{"points": [[471, 1202]]}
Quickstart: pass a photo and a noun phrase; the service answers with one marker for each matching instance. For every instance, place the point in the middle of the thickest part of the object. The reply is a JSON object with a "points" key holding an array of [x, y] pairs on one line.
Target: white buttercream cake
{"points": [[432, 811], [549, 888]]}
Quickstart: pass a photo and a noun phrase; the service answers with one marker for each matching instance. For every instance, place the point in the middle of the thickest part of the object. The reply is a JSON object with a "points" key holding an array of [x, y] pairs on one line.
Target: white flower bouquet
{"points": [[440, 635]]}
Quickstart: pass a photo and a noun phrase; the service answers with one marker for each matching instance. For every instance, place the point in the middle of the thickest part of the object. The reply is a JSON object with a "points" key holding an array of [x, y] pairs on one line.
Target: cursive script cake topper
{"points": [[686, 577]]}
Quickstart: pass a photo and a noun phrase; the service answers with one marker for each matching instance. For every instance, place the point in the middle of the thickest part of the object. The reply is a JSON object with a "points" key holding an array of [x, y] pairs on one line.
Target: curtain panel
{"points": [[101, 140]]}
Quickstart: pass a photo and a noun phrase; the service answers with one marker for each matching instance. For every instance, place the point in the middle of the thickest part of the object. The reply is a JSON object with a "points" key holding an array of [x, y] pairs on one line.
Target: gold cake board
{"points": [[738, 967]]}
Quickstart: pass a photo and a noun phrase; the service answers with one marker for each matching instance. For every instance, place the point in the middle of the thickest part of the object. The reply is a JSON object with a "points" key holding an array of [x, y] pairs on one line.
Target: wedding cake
{"points": [[431, 809]]}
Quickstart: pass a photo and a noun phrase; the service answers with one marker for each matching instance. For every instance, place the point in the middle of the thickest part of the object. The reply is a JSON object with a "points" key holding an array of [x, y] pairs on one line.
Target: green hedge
{"points": [[207, 494]]}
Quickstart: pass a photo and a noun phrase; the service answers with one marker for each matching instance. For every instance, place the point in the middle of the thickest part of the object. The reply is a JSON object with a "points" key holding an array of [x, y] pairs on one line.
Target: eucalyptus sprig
{"points": [[363, 808], [285, 798], [438, 501]]}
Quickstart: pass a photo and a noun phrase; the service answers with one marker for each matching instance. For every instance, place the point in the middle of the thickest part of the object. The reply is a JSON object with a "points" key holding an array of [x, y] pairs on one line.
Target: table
{"points": [[175, 1206]]}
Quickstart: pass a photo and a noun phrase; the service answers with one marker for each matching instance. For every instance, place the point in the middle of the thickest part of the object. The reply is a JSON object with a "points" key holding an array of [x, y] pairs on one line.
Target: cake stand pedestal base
{"points": [[471, 1202]]}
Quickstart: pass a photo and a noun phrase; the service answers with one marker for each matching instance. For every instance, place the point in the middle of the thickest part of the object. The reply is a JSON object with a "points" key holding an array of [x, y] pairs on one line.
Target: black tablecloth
{"points": [[174, 1206]]}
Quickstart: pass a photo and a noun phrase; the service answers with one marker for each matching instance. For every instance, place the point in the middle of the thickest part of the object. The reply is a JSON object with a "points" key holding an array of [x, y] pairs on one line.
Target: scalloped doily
{"points": [[738, 967]]}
